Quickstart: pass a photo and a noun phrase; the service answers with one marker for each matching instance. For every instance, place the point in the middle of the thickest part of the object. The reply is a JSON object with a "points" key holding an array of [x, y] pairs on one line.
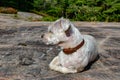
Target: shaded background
{"points": [[80, 10]]}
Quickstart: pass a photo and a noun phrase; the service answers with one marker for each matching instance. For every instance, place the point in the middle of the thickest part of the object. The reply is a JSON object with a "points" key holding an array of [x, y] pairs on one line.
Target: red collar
{"points": [[72, 50]]}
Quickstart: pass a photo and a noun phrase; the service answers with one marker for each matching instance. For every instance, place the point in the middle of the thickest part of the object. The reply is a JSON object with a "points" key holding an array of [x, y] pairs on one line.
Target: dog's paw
{"points": [[66, 70], [51, 67]]}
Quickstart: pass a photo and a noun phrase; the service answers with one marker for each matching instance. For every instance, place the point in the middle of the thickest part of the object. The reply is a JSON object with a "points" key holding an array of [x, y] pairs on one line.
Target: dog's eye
{"points": [[50, 32]]}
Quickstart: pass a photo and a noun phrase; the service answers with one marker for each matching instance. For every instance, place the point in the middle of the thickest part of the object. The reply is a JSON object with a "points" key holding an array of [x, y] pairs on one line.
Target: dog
{"points": [[77, 50]]}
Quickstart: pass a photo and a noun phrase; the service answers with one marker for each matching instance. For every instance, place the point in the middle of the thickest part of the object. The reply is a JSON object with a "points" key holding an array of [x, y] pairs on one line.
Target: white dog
{"points": [[77, 49]]}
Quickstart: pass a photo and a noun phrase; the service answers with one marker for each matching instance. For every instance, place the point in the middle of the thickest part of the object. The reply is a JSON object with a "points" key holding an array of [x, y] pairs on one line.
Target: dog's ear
{"points": [[68, 31]]}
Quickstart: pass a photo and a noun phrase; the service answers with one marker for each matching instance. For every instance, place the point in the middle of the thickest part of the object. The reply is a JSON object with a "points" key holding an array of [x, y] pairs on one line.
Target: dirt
{"points": [[23, 55]]}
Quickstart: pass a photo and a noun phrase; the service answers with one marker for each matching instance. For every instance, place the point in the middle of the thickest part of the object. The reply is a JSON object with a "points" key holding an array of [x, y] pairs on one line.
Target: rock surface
{"points": [[23, 55], [26, 16]]}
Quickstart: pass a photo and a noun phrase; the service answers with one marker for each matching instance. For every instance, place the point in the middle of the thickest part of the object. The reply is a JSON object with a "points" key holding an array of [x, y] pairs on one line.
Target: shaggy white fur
{"points": [[67, 36]]}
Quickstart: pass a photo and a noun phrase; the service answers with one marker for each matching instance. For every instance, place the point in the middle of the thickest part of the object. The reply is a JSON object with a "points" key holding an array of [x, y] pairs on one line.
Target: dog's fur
{"points": [[76, 61]]}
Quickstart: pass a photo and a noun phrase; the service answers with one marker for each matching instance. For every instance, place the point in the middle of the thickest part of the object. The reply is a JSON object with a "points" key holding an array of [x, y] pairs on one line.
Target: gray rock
{"points": [[23, 55]]}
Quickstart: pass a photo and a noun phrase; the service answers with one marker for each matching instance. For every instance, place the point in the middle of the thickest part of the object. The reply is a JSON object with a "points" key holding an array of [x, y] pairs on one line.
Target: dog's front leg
{"points": [[66, 70], [55, 65]]}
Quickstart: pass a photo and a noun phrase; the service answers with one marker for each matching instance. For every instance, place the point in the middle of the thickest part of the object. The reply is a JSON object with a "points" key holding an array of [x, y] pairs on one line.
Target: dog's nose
{"points": [[42, 36]]}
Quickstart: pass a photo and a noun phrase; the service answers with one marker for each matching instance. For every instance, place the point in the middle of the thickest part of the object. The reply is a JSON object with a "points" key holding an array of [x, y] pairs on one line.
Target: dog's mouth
{"points": [[61, 42]]}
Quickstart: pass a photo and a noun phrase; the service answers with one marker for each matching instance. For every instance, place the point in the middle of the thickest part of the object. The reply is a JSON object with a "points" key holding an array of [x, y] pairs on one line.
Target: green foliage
{"points": [[46, 17], [81, 10], [54, 11], [49, 18]]}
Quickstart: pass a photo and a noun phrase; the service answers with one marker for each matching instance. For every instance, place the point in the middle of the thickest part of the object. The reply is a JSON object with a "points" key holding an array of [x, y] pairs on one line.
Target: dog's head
{"points": [[58, 32]]}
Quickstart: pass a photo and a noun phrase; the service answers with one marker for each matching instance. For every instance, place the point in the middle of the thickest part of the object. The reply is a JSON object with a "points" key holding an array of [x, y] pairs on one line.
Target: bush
{"points": [[8, 10], [81, 10], [49, 18]]}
